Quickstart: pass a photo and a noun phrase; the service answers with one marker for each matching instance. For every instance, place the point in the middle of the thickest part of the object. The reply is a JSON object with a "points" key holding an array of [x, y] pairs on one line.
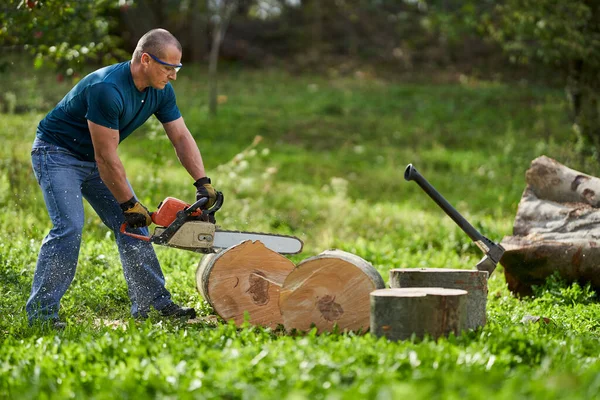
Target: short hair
{"points": [[155, 42]]}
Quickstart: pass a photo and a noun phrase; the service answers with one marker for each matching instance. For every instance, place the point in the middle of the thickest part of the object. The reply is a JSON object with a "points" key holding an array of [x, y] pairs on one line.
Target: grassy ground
{"points": [[329, 169]]}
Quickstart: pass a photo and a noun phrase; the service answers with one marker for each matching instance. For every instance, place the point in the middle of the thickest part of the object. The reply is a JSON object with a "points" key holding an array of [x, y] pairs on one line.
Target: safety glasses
{"points": [[173, 67]]}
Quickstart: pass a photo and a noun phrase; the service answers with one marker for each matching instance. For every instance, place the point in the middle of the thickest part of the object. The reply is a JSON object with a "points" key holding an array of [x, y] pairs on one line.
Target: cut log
{"points": [[543, 219], [551, 180], [529, 262], [331, 289], [399, 313], [473, 281], [557, 228], [245, 278]]}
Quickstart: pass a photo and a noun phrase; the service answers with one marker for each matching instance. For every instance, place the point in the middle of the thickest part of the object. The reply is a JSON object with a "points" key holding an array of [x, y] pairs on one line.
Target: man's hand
{"points": [[205, 189], [136, 215]]}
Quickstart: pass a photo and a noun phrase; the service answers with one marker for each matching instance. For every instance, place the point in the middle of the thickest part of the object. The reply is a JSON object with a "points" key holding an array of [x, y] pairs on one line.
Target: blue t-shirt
{"points": [[107, 97]]}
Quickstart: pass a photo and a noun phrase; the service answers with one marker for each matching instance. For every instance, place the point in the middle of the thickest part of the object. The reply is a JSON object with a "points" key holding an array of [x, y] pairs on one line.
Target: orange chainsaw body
{"points": [[168, 209]]}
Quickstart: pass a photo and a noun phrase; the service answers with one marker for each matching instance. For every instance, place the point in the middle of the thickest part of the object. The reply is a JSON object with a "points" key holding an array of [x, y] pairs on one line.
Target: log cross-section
{"points": [[328, 290], [244, 279]]}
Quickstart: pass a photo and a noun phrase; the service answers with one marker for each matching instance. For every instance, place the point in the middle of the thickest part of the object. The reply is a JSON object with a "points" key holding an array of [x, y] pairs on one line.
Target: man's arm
{"points": [[186, 148], [105, 141]]}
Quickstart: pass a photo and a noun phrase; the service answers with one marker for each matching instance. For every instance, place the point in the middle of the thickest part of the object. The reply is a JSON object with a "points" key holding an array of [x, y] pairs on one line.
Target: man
{"points": [[75, 155]]}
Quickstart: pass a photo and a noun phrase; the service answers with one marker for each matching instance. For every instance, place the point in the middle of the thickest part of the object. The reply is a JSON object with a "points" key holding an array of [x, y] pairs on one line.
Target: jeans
{"points": [[65, 181]]}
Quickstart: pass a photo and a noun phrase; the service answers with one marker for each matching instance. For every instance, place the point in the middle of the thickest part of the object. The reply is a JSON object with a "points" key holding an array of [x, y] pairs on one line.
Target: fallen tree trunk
{"points": [[557, 228], [245, 278], [399, 313], [331, 289], [472, 281]]}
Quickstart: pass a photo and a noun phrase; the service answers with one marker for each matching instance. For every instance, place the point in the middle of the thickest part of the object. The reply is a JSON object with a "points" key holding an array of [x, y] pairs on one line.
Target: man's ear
{"points": [[145, 59]]}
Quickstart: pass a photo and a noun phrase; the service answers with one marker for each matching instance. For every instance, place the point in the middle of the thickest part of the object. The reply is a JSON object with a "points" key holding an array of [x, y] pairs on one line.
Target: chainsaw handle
{"points": [[217, 206], [134, 235], [198, 204]]}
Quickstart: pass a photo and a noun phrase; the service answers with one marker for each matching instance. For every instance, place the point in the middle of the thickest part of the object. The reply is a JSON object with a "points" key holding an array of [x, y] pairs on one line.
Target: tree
{"points": [[564, 35], [223, 10], [61, 33]]}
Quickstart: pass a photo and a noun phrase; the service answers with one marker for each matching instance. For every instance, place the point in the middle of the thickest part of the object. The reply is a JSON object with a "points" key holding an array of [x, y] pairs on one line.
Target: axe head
{"points": [[486, 264], [491, 259]]}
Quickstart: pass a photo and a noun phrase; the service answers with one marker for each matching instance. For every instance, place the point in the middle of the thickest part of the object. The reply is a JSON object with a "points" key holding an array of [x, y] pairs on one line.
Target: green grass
{"points": [[329, 169]]}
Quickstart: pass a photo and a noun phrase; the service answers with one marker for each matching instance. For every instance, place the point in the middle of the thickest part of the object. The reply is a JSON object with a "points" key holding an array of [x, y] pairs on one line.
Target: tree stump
{"points": [[245, 278], [398, 313], [331, 289], [473, 281], [557, 228]]}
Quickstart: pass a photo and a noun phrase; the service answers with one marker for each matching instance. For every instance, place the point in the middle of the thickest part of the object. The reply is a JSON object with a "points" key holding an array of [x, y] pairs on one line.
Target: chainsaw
{"points": [[187, 226]]}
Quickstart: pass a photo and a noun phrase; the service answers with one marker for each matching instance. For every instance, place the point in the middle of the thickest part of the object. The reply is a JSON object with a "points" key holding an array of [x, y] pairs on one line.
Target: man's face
{"points": [[158, 73]]}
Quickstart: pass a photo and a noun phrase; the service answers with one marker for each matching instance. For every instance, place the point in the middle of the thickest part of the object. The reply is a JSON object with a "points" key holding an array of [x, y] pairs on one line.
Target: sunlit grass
{"points": [[329, 169]]}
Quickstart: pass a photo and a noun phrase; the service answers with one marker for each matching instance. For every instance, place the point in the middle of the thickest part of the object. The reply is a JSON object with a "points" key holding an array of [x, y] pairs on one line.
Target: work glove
{"points": [[205, 189], [136, 215]]}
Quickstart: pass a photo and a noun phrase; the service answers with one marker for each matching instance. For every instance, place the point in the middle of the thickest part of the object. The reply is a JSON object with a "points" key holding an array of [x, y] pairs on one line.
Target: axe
{"points": [[493, 251]]}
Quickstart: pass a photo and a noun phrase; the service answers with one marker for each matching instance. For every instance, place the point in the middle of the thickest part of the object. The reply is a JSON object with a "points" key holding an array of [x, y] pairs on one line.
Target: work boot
{"points": [[176, 311], [58, 325], [54, 323]]}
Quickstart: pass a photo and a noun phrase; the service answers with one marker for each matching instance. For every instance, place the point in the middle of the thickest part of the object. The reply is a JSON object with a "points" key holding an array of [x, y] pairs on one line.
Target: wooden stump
{"points": [[398, 313], [327, 290], [244, 278], [557, 228], [473, 281]]}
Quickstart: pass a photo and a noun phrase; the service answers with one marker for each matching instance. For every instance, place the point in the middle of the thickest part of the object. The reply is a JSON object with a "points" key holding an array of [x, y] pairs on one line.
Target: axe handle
{"points": [[411, 174]]}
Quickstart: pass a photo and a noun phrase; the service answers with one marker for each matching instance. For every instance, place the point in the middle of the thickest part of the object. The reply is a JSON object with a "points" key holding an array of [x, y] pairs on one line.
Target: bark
{"points": [[474, 282], [400, 313]]}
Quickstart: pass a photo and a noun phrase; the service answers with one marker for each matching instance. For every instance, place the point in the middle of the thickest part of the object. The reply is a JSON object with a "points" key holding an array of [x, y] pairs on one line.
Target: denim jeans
{"points": [[65, 181]]}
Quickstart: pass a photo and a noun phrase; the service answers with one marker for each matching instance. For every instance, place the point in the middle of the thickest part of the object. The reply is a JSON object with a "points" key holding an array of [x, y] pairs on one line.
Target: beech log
{"points": [[551, 180], [472, 281], [399, 313], [245, 278], [557, 228], [331, 289]]}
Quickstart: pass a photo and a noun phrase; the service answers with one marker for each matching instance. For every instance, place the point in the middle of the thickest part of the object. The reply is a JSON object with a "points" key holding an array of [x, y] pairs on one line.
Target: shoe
{"points": [[58, 325], [176, 311], [55, 324]]}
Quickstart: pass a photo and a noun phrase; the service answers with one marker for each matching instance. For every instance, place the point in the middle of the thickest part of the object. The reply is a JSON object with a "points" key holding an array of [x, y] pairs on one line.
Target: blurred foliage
{"points": [[564, 35], [62, 34], [548, 41]]}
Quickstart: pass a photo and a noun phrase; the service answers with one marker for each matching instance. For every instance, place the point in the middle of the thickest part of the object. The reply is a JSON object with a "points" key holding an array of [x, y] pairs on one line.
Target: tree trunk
{"points": [[474, 282], [582, 87], [197, 32], [331, 289], [226, 9], [557, 228], [399, 313], [245, 278], [213, 89]]}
